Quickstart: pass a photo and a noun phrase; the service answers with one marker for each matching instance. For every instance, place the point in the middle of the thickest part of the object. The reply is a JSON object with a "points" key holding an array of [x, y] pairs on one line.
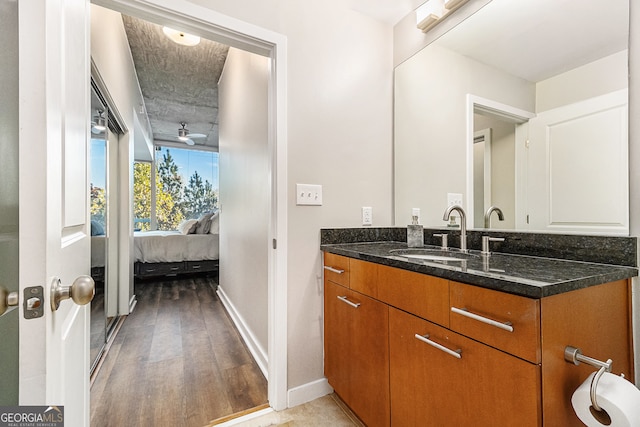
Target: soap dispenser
{"points": [[415, 233]]}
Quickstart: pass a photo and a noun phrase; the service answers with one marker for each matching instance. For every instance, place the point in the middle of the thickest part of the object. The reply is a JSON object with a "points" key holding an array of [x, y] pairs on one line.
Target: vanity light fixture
{"points": [[181, 37], [100, 123], [432, 12]]}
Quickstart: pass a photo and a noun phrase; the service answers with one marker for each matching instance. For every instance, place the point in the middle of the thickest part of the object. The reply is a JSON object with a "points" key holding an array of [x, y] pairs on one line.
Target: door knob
{"points": [[7, 299], [81, 291]]}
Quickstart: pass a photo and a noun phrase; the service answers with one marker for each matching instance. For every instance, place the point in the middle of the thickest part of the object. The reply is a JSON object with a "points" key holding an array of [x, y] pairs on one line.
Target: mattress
{"points": [[172, 246], [98, 251]]}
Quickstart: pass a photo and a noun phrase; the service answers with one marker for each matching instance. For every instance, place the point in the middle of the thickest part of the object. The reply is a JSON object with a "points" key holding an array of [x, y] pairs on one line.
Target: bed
{"points": [[98, 257], [194, 247]]}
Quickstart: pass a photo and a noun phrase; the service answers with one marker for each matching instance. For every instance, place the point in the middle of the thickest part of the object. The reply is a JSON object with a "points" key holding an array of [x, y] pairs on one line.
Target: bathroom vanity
{"points": [[477, 340]]}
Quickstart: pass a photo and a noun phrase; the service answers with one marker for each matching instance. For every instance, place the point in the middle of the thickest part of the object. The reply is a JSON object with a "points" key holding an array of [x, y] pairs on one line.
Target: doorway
{"points": [[212, 25]]}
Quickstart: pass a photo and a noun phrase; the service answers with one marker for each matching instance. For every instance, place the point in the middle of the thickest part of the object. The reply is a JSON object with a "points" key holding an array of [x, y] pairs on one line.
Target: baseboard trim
{"points": [[258, 353], [308, 392]]}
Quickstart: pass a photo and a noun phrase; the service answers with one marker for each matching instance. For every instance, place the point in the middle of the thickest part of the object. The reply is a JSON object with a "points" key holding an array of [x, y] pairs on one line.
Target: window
{"points": [[186, 186], [98, 186]]}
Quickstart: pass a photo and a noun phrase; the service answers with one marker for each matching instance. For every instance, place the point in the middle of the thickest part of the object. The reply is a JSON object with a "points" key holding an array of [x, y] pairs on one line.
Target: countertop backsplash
{"points": [[614, 250]]}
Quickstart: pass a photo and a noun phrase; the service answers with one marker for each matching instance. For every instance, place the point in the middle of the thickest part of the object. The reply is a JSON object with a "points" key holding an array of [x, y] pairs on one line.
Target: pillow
{"points": [[215, 224], [186, 226], [96, 228], [204, 223]]}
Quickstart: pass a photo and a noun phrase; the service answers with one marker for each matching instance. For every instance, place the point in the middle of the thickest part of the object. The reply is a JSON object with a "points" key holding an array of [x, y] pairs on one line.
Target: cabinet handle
{"points": [[425, 338], [352, 304], [464, 312], [334, 270]]}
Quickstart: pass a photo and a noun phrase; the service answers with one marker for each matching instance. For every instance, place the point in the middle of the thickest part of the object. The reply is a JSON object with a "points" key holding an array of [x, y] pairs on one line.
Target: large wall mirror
{"points": [[522, 106]]}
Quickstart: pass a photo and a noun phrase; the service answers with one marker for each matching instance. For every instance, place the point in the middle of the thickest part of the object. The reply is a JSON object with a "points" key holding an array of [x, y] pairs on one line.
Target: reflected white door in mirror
{"points": [[525, 164]]}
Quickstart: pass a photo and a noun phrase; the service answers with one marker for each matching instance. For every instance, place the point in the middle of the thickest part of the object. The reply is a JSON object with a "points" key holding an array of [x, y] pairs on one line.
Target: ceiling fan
{"points": [[187, 137]]}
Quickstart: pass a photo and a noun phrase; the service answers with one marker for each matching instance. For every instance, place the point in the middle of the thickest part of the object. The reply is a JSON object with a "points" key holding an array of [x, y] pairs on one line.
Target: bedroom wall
{"points": [[339, 121], [244, 191]]}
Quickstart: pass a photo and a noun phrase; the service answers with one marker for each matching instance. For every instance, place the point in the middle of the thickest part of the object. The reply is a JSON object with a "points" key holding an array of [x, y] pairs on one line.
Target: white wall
{"points": [[244, 190], [606, 75]]}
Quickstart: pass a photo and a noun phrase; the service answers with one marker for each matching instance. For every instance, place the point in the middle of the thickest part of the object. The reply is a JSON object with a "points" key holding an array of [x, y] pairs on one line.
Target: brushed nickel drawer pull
{"points": [[425, 338], [333, 270], [464, 312], [352, 304]]}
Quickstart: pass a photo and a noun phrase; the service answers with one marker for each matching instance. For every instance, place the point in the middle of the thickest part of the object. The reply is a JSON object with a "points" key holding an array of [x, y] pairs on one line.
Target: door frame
{"points": [[233, 32]]}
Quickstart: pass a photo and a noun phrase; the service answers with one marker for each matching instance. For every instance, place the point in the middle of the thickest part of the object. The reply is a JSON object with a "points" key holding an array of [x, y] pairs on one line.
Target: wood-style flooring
{"points": [[176, 361]]}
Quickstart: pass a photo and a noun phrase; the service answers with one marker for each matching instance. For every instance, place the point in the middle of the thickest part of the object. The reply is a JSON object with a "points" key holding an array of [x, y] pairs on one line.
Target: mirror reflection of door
{"points": [[99, 224], [9, 272]]}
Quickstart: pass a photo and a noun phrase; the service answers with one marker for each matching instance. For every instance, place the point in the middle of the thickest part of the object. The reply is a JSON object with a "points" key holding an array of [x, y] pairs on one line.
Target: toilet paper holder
{"points": [[575, 356]]}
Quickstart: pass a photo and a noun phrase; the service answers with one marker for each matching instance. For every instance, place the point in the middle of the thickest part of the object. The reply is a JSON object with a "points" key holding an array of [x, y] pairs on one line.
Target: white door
{"points": [[54, 235], [578, 174]]}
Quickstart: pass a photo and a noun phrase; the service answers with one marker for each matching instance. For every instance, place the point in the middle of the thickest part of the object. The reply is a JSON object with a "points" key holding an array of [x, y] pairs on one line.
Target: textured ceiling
{"points": [[178, 83]]}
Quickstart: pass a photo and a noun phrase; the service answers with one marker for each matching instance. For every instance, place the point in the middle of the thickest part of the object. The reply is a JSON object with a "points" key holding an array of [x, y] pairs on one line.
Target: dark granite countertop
{"points": [[528, 276]]}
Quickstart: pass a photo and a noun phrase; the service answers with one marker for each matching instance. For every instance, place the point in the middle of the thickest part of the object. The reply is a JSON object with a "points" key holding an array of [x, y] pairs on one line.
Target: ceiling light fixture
{"points": [[100, 121], [181, 37]]}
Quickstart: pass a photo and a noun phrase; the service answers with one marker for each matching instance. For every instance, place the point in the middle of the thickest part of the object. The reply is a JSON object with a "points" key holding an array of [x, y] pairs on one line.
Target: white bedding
{"points": [[172, 246], [98, 251]]}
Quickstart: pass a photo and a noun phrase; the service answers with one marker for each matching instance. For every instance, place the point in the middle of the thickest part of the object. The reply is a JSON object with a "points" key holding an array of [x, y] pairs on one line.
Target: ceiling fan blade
{"points": [[190, 142], [196, 135]]}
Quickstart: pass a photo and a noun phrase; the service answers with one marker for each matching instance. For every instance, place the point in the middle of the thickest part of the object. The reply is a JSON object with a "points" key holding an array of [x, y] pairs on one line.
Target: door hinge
{"points": [[275, 243]]}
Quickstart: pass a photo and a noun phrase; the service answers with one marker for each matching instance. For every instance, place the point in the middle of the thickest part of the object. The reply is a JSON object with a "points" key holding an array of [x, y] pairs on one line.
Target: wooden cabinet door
{"points": [[484, 387], [369, 365], [357, 352], [336, 339]]}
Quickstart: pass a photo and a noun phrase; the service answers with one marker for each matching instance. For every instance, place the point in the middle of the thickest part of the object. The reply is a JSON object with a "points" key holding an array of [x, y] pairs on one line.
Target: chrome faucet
{"points": [[463, 224], [487, 215]]}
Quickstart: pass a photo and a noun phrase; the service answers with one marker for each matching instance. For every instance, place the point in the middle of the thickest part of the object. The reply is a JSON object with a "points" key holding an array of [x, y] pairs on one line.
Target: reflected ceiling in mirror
{"points": [[538, 56]]}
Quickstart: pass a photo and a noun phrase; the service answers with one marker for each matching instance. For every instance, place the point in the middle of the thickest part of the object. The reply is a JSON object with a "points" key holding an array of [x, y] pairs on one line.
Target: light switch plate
{"points": [[308, 195]]}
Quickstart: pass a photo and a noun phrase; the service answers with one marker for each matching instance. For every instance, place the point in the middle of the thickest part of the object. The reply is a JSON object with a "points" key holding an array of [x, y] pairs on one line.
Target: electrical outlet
{"points": [[367, 215], [308, 194], [454, 199]]}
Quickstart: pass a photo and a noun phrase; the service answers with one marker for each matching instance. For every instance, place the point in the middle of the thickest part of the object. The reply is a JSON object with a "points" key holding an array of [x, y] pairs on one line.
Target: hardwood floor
{"points": [[177, 361]]}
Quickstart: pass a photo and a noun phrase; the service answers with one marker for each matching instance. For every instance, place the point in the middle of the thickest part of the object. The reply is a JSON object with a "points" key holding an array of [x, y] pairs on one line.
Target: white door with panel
{"points": [[54, 233], [578, 167]]}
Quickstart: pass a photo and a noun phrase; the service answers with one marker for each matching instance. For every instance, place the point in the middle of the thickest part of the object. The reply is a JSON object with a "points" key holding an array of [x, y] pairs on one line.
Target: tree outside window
{"points": [[176, 201]]}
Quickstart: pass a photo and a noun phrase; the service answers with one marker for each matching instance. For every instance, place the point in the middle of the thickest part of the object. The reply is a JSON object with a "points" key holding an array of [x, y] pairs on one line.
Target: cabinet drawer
{"points": [[205, 265], [419, 294], [508, 322], [336, 269], [363, 277], [160, 268]]}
